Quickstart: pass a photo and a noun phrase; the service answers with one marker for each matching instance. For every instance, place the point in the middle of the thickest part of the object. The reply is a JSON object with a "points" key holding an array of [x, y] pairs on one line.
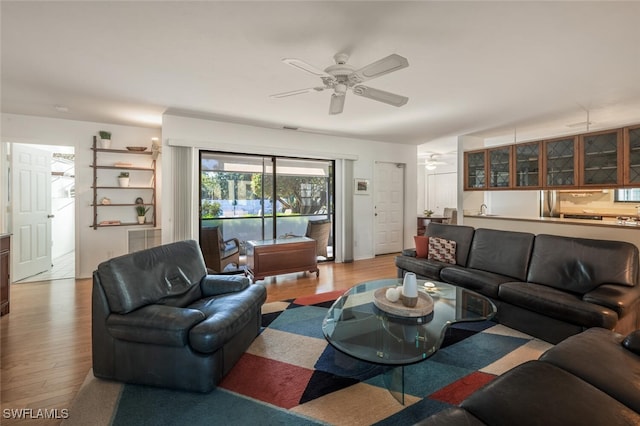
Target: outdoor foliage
{"points": [[300, 194], [210, 209]]}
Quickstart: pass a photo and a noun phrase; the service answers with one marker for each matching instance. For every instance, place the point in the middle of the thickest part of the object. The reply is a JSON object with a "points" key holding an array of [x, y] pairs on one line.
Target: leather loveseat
{"points": [[592, 378], [158, 319], [548, 286]]}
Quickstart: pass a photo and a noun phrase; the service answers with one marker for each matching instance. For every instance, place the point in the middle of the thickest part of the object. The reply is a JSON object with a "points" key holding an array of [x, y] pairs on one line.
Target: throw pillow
{"points": [[442, 250], [422, 246]]}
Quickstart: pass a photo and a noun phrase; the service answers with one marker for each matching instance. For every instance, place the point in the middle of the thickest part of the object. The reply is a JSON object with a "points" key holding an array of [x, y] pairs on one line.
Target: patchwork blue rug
{"points": [[291, 376]]}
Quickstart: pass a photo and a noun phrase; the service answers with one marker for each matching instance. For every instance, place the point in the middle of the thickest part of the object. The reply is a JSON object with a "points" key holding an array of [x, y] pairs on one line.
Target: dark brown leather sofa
{"points": [[548, 286], [592, 378], [158, 319]]}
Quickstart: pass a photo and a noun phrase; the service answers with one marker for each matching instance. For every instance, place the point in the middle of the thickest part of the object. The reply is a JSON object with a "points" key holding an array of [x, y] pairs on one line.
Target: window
{"points": [[256, 197], [630, 195]]}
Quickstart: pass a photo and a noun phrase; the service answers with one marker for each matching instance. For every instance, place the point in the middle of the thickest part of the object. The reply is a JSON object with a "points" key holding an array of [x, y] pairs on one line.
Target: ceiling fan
{"points": [[341, 77], [433, 161]]}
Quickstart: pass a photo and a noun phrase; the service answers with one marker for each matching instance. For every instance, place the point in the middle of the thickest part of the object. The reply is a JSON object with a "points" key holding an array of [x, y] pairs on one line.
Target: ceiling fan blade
{"points": [[380, 95], [297, 92], [384, 66], [301, 65], [337, 104]]}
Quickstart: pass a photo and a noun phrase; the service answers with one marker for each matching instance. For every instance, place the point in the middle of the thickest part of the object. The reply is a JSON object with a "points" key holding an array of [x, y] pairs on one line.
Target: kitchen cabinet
{"points": [[601, 158], [499, 167], [560, 162], [475, 170], [527, 164], [632, 155], [113, 204]]}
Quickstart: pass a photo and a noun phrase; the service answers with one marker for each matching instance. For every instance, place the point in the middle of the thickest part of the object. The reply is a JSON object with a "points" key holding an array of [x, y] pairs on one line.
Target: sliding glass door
{"points": [[255, 197]]}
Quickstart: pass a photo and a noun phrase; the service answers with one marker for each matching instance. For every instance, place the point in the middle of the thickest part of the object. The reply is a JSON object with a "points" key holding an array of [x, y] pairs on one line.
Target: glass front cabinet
{"points": [[632, 154], [499, 167], [527, 161], [560, 162], [601, 158], [475, 170]]}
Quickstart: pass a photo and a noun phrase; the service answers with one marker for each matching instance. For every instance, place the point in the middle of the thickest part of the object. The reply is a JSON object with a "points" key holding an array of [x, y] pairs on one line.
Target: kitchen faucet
{"points": [[483, 209]]}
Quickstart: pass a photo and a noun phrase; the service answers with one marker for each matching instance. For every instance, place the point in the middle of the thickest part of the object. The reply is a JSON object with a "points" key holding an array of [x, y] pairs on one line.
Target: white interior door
{"points": [[31, 210], [442, 191], [389, 207]]}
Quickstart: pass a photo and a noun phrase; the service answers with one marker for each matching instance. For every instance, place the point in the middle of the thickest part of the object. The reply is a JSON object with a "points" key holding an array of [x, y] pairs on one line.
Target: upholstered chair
{"points": [[159, 319], [319, 230], [218, 253]]}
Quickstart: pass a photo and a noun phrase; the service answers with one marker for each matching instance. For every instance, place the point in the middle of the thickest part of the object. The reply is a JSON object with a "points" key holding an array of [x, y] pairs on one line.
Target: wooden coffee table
{"points": [[281, 256]]}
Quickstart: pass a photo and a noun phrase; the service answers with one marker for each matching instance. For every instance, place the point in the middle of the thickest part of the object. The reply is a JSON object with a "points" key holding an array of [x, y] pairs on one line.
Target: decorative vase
{"points": [[105, 143], [141, 219], [123, 181], [410, 290]]}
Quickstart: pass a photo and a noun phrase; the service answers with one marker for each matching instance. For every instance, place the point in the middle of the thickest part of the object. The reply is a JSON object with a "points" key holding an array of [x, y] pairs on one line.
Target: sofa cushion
{"points": [[503, 252], [557, 304], [538, 393], [422, 246], [155, 324], [423, 268], [462, 235], [579, 265], [622, 299], [158, 274], [442, 250], [598, 357], [453, 416], [483, 282], [226, 314], [632, 342]]}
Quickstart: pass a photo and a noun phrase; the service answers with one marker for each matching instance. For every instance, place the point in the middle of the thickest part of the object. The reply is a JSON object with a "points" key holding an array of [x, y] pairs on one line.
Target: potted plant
{"points": [[123, 179], [105, 139], [141, 210]]}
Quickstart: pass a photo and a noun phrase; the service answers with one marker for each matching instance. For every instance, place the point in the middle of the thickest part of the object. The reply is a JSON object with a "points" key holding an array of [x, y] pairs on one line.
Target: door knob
{"points": [[50, 216]]}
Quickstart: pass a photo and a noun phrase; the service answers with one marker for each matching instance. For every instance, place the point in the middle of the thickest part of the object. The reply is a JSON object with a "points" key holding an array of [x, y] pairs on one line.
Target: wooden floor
{"points": [[45, 341]]}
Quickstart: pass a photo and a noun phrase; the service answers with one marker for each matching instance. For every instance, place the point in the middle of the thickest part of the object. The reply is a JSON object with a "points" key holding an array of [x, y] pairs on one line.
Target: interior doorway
{"points": [[52, 249], [389, 207]]}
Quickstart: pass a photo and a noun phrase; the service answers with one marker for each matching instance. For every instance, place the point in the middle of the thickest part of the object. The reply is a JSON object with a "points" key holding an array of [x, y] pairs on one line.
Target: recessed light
{"points": [[61, 108]]}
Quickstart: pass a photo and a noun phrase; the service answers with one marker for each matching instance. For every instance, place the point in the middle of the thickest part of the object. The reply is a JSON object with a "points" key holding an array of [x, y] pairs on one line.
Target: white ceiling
{"points": [[485, 68]]}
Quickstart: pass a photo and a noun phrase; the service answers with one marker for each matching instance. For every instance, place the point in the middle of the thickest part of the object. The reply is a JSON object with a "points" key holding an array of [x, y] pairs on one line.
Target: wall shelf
{"points": [[99, 191]]}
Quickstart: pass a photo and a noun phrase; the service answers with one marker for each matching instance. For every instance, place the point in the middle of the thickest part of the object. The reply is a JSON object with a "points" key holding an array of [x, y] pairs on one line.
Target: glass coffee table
{"points": [[356, 327]]}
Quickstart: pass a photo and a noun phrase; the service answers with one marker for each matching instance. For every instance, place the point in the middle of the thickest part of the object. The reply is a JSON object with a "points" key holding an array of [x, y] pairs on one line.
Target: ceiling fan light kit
{"points": [[341, 77]]}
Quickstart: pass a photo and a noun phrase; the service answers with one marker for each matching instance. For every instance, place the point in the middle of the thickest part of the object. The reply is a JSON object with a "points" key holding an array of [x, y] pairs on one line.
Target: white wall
{"points": [[230, 137], [525, 204], [92, 246]]}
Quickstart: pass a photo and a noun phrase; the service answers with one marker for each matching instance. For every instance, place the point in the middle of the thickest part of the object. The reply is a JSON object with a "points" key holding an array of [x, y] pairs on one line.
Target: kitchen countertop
{"points": [[608, 222]]}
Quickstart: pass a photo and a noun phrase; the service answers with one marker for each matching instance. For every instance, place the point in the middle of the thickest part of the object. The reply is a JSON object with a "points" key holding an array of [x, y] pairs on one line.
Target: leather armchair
{"points": [[158, 319]]}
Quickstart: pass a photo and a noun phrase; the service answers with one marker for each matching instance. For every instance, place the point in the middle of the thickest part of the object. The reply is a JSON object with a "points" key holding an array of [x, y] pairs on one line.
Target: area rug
{"points": [[291, 376]]}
